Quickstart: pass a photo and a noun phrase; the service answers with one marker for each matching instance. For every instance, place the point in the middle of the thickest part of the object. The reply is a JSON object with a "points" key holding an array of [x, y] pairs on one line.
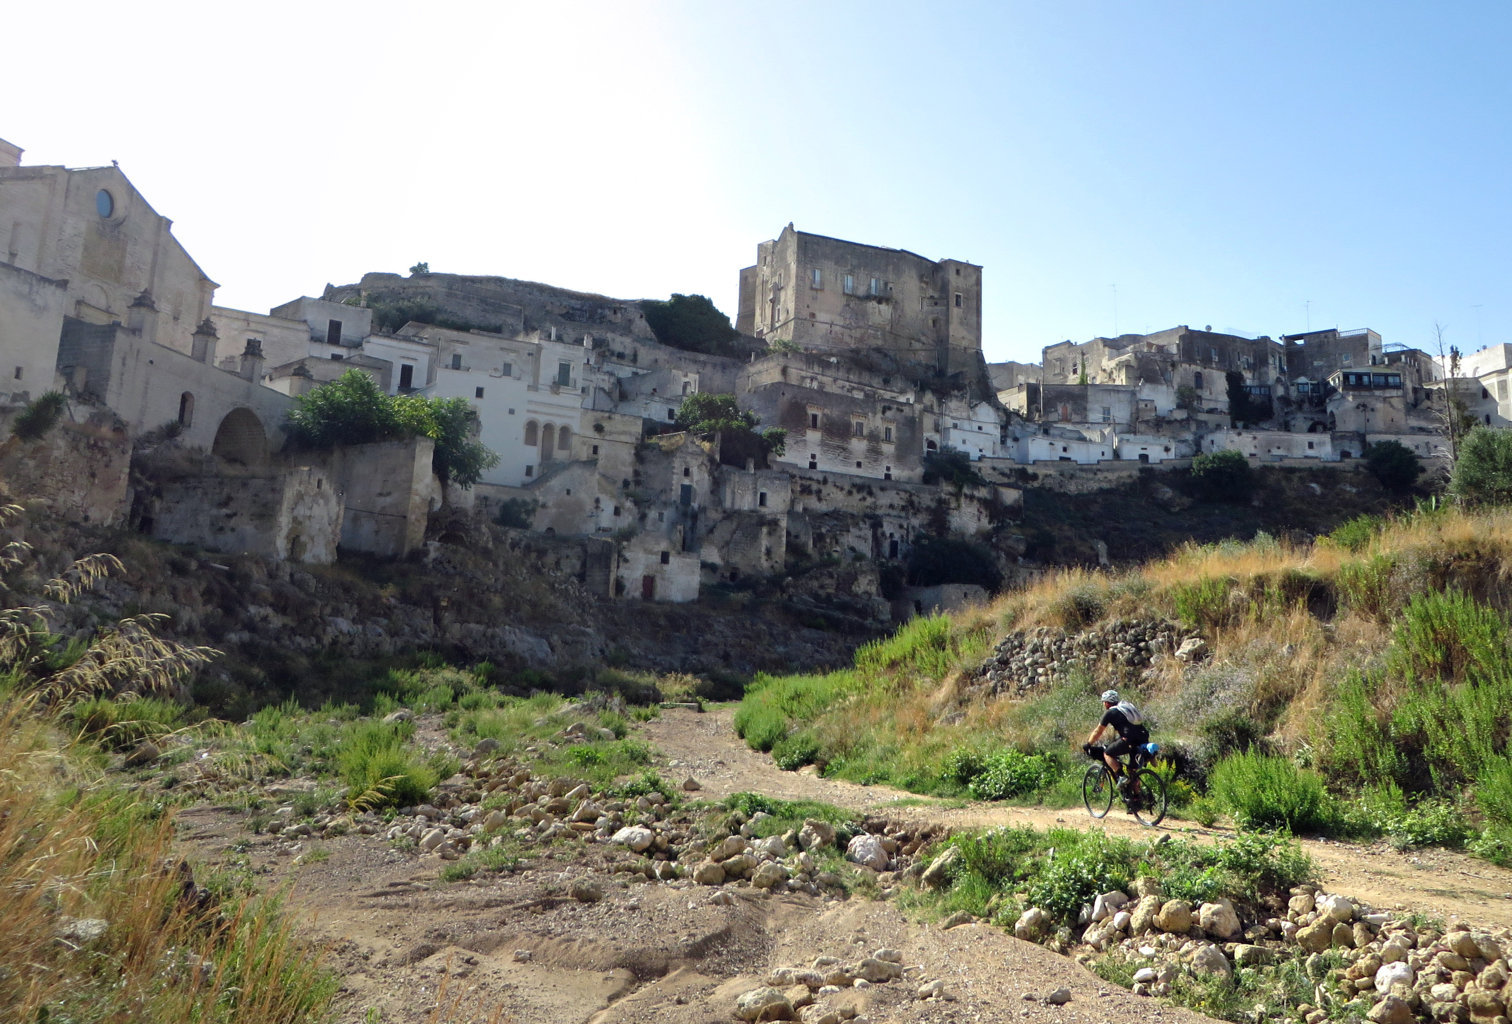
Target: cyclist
{"points": [[1125, 720]]}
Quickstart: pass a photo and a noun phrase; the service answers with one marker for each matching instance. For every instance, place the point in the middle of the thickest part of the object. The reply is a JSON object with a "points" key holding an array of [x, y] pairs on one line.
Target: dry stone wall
{"points": [[1026, 661]]}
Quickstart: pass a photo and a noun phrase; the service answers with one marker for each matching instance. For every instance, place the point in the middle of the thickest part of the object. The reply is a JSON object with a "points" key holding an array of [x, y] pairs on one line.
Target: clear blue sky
{"points": [[1258, 167]]}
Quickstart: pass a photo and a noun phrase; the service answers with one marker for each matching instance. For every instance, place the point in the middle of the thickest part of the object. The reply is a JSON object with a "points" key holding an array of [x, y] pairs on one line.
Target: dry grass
{"points": [[74, 850]]}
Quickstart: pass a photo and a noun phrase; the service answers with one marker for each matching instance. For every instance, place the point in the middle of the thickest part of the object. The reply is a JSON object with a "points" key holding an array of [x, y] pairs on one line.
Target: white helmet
{"points": [[1110, 697]]}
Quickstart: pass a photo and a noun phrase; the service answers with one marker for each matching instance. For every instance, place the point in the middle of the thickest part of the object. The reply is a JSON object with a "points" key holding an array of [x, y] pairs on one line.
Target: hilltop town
{"points": [[868, 358]]}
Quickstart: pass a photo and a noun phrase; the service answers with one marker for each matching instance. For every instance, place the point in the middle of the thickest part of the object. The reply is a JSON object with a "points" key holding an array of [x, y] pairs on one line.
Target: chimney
{"points": [[205, 340], [252, 361], [10, 155], [142, 316]]}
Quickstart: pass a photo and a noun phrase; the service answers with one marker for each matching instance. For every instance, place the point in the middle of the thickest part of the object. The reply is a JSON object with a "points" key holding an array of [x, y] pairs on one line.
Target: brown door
{"points": [[648, 588]]}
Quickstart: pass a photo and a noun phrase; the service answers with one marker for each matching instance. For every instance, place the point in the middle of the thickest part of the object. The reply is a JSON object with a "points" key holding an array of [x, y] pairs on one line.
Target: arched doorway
{"points": [[240, 438], [548, 442]]}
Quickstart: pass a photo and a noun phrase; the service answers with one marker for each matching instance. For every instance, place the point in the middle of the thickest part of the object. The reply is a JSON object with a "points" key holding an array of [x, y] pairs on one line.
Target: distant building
{"points": [[826, 295]]}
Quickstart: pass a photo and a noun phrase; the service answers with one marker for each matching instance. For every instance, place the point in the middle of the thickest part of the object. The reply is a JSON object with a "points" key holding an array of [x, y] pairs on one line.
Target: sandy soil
{"points": [[513, 947]]}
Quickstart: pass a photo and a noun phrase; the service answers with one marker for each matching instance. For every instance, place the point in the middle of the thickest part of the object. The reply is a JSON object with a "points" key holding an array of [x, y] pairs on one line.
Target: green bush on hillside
{"points": [[1395, 466], [1223, 476], [1265, 792], [1011, 773], [1483, 473]]}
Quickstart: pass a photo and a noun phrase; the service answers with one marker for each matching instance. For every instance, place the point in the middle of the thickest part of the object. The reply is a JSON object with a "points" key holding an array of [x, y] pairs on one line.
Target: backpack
{"points": [[1130, 712]]}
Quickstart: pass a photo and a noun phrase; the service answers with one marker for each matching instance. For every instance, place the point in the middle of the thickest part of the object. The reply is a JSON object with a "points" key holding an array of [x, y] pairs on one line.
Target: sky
{"points": [[1263, 168]]}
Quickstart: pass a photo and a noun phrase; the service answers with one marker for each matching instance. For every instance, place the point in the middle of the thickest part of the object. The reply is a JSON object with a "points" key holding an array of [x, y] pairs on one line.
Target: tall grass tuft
{"points": [[93, 853], [380, 769]]}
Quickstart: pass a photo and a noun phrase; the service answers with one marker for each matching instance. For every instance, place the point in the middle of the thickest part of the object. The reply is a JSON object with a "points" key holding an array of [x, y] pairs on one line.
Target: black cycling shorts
{"points": [[1121, 746]]}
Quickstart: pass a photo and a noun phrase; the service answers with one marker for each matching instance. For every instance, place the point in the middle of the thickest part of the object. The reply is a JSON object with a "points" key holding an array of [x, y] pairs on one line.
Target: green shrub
{"points": [[1223, 476], [1369, 586], [962, 765], [1010, 773], [1084, 864], [122, 724], [1203, 603], [922, 644], [380, 769], [793, 752], [1384, 810], [39, 416], [1355, 535], [1448, 635], [1265, 792], [760, 725], [1483, 472], [1395, 466]]}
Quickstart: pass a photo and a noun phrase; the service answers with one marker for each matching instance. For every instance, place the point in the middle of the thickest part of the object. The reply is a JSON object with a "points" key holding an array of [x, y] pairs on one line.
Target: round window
{"points": [[104, 203]]}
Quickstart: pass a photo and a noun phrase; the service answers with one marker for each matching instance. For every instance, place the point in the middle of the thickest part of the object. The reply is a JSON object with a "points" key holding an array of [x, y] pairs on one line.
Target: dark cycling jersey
{"points": [[1124, 718]]}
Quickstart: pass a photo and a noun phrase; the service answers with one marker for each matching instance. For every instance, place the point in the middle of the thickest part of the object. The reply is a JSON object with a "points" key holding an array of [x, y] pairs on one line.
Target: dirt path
{"points": [[1436, 883], [513, 947]]}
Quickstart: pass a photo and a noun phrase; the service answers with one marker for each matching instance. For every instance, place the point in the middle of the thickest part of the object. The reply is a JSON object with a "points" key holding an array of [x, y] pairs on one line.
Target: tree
{"points": [[1223, 476], [1238, 398], [1395, 466], [690, 322], [937, 560], [354, 410], [708, 415], [1483, 472], [1455, 414], [420, 268], [952, 466]]}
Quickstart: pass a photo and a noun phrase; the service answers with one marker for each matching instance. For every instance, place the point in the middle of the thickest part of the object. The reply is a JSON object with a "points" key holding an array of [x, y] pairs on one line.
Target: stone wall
{"points": [[388, 491], [31, 316], [289, 512]]}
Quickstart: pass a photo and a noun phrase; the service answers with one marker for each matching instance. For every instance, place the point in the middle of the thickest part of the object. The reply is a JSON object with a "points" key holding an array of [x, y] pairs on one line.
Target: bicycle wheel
{"points": [[1152, 797], [1097, 790]]}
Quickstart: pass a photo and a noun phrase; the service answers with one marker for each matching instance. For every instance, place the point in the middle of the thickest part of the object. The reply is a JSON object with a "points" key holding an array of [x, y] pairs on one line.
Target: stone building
{"points": [[1168, 362], [838, 418], [826, 295]]}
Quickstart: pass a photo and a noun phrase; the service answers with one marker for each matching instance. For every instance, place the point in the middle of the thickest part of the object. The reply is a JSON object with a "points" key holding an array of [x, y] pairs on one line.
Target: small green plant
{"points": [[796, 750]]}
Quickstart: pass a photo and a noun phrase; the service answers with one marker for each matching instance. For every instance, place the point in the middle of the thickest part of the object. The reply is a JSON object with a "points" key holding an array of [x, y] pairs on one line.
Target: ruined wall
{"points": [[388, 491], [79, 470], [31, 318], [291, 512], [650, 571], [745, 543]]}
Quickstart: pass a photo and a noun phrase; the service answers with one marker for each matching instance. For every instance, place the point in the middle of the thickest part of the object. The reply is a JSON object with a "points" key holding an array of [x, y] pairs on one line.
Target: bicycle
{"points": [[1098, 785]]}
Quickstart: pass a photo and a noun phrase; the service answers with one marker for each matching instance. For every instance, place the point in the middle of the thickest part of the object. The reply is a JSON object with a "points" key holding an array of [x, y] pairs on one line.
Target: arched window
{"points": [[1197, 380], [548, 442], [685, 387], [530, 433], [186, 410], [564, 440]]}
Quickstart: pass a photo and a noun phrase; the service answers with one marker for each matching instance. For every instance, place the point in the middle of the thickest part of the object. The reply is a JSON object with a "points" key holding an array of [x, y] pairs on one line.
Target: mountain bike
{"points": [[1099, 785]]}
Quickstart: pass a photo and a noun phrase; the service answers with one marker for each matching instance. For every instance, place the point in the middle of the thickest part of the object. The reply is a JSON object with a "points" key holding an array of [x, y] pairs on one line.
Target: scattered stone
{"points": [[940, 869], [1396, 973], [764, 1004], [867, 850], [874, 970], [1032, 925], [1219, 919], [81, 931], [1192, 649], [585, 890], [523, 956], [1175, 916], [691, 785], [708, 873], [769, 876], [957, 919], [816, 835], [1253, 956], [636, 837], [1209, 959], [1059, 997], [1391, 1010], [1336, 908]]}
